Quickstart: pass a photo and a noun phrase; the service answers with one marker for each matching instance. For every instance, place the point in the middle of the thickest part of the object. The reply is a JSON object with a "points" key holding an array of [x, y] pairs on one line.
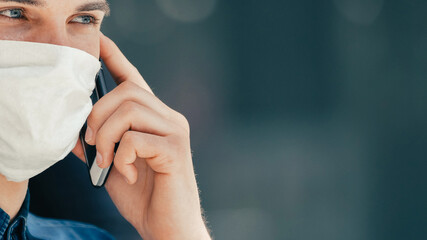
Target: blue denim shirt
{"points": [[28, 226]]}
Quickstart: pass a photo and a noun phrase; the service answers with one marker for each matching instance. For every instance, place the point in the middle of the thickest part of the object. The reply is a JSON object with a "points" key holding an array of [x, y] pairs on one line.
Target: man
{"points": [[152, 182]]}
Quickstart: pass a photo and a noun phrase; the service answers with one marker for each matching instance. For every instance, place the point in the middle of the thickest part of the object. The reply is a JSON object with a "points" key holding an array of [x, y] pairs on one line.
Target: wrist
{"points": [[189, 233]]}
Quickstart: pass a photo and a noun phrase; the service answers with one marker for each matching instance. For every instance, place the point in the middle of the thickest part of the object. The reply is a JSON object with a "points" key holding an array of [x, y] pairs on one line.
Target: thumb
{"points": [[118, 65]]}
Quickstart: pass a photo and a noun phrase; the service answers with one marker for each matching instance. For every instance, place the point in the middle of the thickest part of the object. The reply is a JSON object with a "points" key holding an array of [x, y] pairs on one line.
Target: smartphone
{"points": [[98, 176]]}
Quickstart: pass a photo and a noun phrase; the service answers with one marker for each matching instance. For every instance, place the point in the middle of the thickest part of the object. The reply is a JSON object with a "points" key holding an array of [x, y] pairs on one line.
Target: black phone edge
{"points": [[100, 90]]}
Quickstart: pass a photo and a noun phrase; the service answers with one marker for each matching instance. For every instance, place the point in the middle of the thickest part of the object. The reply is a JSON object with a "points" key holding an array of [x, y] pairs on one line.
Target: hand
{"points": [[152, 182]]}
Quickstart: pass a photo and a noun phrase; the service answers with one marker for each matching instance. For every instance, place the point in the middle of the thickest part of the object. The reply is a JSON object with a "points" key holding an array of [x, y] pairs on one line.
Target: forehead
{"points": [[83, 5]]}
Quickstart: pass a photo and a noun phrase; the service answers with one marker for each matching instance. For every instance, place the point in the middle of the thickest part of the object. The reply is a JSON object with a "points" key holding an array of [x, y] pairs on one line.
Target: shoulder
{"points": [[45, 228]]}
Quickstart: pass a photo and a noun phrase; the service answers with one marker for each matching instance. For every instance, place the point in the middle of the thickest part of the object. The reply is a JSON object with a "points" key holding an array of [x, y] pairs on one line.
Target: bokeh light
{"points": [[360, 11]]}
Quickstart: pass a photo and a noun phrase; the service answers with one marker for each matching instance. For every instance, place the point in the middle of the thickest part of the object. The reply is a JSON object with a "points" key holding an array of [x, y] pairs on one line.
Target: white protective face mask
{"points": [[44, 101]]}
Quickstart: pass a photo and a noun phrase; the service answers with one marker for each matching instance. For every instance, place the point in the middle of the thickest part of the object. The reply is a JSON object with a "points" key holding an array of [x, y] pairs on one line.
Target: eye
{"points": [[85, 19], [13, 13]]}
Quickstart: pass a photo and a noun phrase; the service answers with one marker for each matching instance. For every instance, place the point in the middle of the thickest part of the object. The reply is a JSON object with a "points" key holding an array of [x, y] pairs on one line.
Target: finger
{"points": [[118, 65], [129, 116], [127, 91], [137, 145]]}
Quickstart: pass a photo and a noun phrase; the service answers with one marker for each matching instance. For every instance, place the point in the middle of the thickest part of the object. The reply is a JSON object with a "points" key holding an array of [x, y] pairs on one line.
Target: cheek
{"points": [[16, 33], [88, 43]]}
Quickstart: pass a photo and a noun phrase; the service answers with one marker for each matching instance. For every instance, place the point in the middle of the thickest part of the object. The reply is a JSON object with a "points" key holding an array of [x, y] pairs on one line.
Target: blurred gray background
{"points": [[307, 117]]}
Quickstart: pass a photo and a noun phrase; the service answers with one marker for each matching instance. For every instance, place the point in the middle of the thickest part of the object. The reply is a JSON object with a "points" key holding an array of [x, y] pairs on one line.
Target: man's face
{"points": [[73, 23]]}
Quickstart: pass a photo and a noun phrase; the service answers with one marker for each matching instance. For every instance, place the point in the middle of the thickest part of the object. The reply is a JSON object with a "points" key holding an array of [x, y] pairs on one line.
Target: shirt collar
{"points": [[19, 223]]}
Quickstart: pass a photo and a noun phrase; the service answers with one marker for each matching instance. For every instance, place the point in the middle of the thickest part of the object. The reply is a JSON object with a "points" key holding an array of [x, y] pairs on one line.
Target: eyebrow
{"points": [[93, 6], [27, 2]]}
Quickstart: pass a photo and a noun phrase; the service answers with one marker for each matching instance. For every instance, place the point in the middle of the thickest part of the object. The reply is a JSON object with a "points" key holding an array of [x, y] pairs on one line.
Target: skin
{"points": [[153, 182]]}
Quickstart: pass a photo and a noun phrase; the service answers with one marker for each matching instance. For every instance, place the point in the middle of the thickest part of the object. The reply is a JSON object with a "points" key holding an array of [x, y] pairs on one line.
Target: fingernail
{"points": [[89, 133], [99, 159]]}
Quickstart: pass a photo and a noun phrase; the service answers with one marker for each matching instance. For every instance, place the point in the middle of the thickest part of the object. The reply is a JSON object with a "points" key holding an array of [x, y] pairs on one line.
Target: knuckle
{"points": [[183, 122], [135, 70], [127, 86], [129, 107], [128, 138]]}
